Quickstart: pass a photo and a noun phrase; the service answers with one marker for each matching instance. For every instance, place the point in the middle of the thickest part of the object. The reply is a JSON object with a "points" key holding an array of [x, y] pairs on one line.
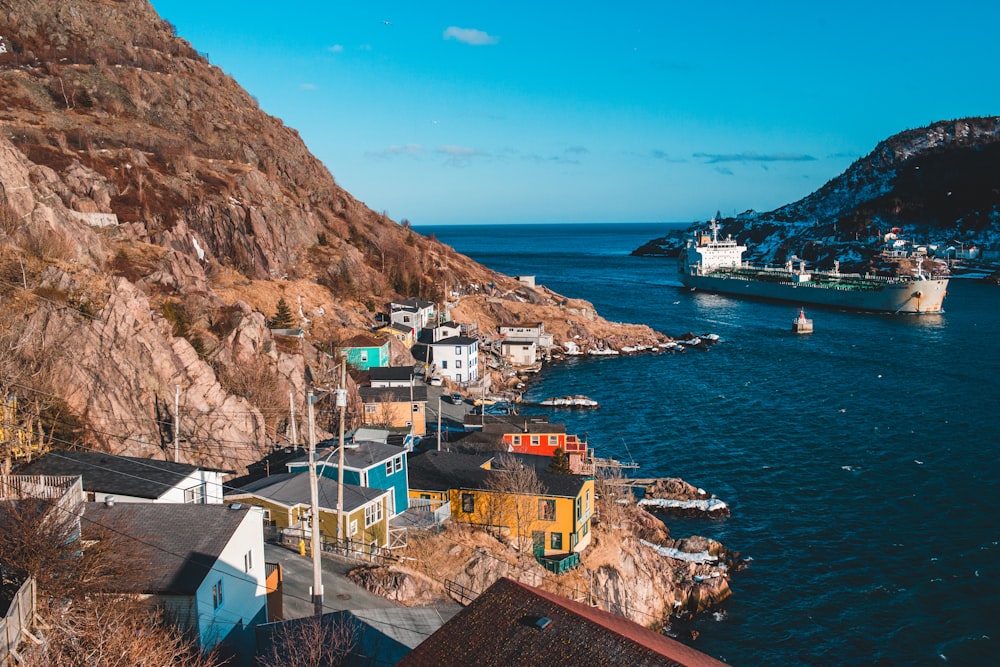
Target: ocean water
{"points": [[860, 462]]}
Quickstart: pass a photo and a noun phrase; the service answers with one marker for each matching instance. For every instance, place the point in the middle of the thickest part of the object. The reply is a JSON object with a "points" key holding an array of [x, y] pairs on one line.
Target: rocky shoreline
{"points": [[633, 567]]}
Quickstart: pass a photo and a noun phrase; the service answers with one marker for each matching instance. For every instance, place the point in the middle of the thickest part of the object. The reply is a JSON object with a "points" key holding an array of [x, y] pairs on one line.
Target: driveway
{"points": [[339, 592]]}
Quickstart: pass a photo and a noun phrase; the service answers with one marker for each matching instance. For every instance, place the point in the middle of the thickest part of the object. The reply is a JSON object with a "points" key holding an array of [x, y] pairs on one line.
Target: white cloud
{"points": [[336, 48], [459, 156], [307, 86], [470, 36], [411, 150]]}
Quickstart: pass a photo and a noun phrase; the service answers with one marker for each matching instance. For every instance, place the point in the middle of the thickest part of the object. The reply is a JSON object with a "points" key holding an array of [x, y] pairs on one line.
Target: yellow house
{"points": [[285, 499], [404, 334], [555, 517], [395, 407]]}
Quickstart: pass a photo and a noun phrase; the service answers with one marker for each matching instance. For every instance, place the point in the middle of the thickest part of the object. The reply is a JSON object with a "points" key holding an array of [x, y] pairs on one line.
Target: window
{"points": [[579, 507], [354, 527], [195, 495], [586, 528], [546, 510], [373, 514], [534, 441], [217, 595], [468, 503], [248, 561], [388, 467], [586, 504], [556, 541], [554, 440], [458, 363], [458, 350], [267, 518], [444, 364], [364, 356], [370, 408], [398, 461]]}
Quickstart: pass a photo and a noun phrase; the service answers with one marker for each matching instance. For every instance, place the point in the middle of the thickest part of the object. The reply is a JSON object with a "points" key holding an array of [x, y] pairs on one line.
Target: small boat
{"points": [[800, 324]]}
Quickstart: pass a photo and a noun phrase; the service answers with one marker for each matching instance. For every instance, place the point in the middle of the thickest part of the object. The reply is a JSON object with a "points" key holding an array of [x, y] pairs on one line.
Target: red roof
{"points": [[506, 625]]}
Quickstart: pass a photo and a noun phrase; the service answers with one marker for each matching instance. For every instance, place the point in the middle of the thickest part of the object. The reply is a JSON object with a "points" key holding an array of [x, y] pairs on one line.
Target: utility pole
{"points": [[291, 412], [341, 400], [439, 422], [317, 587], [177, 423]]}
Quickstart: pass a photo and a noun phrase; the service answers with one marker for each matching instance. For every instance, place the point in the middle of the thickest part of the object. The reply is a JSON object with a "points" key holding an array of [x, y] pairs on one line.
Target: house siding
{"points": [[566, 523]]}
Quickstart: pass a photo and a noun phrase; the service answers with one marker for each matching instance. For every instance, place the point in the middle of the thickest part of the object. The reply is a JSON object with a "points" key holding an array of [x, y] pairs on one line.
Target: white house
{"points": [[446, 330], [456, 358], [133, 480], [413, 312], [533, 331], [204, 564], [519, 352]]}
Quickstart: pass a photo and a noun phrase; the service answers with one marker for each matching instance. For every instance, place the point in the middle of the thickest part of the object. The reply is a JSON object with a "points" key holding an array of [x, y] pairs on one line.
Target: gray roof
{"points": [[393, 394], [454, 340], [390, 372], [107, 473], [293, 489], [357, 456], [179, 542], [412, 302]]}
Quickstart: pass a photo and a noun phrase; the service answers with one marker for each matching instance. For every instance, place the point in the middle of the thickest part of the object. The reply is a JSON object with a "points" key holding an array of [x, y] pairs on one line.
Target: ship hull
{"points": [[911, 296]]}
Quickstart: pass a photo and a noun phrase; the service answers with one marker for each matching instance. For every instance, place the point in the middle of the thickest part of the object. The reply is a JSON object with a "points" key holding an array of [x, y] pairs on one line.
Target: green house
{"points": [[363, 352]]}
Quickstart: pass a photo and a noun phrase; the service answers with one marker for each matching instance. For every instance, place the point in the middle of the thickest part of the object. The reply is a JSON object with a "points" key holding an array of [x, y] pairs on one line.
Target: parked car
{"points": [[436, 381], [457, 399]]}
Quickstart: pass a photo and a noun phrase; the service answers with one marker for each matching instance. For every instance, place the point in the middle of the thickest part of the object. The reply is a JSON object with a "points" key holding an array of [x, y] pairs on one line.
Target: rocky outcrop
{"points": [[623, 570]]}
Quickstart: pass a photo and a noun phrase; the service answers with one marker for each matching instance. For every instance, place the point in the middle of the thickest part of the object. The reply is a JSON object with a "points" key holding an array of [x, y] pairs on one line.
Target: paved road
{"points": [[339, 592]]}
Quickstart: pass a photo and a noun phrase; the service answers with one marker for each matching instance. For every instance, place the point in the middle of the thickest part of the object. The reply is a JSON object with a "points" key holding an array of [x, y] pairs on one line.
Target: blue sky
{"points": [[481, 112]]}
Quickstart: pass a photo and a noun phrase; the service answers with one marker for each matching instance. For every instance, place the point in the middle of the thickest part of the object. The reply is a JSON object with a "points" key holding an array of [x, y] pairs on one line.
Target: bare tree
{"points": [[316, 641], [112, 631], [513, 499]]}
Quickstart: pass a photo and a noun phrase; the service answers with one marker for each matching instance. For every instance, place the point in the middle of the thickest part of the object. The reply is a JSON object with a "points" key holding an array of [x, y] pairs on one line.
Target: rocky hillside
{"points": [[938, 183], [151, 217]]}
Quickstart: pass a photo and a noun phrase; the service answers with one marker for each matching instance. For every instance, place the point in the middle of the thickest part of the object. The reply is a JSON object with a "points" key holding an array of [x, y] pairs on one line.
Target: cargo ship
{"points": [[713, 265]]}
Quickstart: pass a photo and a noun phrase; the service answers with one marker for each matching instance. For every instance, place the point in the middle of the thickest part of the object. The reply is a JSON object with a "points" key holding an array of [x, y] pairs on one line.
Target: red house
{"points": [[539, 437]]}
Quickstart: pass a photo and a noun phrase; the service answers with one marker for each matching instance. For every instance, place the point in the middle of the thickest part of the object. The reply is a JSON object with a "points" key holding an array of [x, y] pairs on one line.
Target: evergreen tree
{"points": [[560, 463], [283, 317]]}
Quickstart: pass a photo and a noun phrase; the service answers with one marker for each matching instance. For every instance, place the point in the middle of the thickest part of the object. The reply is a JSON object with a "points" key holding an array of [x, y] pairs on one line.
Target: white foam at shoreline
{"points": [[691, 557], [709, 505]]}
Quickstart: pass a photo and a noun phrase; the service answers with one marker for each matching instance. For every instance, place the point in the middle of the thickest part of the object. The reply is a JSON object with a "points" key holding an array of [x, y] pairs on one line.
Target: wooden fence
{"points": [[16, 621]]}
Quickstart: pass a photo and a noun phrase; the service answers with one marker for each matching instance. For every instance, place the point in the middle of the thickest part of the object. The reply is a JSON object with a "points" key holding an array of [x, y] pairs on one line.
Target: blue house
{"points": [[374, 465], [363, 352]]}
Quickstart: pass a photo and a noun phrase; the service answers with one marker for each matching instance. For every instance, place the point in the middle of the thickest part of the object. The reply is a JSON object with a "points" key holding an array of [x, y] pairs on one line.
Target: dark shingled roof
{"points": [[503, 627], [177, 544], [393, 394], [453, 340], [523, 426], [440, 471], [358, 456], [387, 373], [293, 489], [107, 473]]}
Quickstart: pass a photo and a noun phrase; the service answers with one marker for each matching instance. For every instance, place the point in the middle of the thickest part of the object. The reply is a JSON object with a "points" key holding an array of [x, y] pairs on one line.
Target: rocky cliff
{"points": [[151, 217]]}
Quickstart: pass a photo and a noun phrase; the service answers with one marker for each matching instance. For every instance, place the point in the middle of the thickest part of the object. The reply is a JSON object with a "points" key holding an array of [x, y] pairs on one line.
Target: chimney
{"points": [[109, 501]]}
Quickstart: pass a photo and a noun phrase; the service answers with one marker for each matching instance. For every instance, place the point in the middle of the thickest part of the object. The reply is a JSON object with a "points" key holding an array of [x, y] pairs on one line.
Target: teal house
{"points": [[374, 465], [363, 352]]}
